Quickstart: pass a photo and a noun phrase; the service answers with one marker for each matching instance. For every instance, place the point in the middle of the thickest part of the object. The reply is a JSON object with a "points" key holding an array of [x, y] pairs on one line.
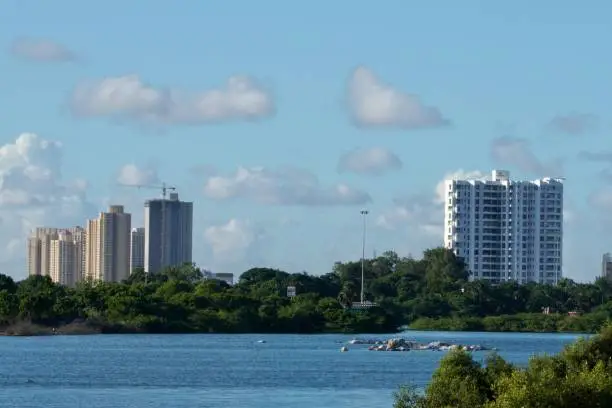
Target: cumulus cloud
{"points": [[574, 123], [371, 161], [517, 152], [375, 103], [41, 50], [130, 98], [287, 186], [32, 194], [231, 240], [133, 175]]}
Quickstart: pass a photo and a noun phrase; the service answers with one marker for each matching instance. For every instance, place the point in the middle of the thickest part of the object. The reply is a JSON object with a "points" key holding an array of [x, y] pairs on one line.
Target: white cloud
{"points": [[132, 175], [375, 103], [288, 186], [33, 194], [372, 161], [128, 97], [41, 50], [230, 241], [457, 175]]}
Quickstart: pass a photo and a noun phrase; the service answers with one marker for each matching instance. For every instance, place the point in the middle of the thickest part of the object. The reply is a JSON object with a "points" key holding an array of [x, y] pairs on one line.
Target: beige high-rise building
{"points": [[64, 259], [58, 253], [38, 250], [107, 246], [79, 236]]}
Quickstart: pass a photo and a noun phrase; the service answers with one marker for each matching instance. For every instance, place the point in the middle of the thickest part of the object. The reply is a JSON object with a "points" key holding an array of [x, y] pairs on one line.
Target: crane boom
{"points": [[163, 187]]}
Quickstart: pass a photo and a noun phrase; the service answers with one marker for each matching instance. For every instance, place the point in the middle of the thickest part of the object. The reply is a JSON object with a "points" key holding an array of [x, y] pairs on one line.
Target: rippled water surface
{"points": [[229, 371]]}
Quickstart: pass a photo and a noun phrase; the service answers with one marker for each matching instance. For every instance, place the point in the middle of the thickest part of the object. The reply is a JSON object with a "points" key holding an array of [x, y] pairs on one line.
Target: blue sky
{"points": [[281, 120]]}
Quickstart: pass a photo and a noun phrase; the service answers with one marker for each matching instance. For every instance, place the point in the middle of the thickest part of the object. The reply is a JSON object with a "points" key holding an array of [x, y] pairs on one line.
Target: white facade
{"points": [[504, 229], [137, 249]]}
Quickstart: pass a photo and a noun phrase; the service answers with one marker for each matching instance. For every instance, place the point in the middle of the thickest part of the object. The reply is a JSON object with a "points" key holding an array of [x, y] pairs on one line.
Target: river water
{"points": [[229, 371]]}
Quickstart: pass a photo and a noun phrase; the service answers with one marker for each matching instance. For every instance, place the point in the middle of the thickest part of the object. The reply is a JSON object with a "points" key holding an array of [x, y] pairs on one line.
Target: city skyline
{"points": [[282, 135], [108, 249]]}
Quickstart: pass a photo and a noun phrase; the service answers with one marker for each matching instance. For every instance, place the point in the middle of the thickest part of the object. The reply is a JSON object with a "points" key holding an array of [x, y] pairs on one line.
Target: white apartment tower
{"points": [[504, 229], [137, 250], [168, 233], [107, 246]]}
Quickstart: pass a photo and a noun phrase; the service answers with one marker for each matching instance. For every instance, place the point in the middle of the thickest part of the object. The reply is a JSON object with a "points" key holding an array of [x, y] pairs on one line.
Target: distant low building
{"points": [[225, 277]]}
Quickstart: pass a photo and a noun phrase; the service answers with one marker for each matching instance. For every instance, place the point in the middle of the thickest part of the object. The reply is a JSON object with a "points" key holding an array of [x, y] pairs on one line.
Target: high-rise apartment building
{"points": [[107, 246], [43, 257], [65, 258], [168, 233], [137, 250], [505, 229], [38, 250]]}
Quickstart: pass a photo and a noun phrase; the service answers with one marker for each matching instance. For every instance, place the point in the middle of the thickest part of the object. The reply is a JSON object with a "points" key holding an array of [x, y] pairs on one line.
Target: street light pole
{"points": [[363, 214]]}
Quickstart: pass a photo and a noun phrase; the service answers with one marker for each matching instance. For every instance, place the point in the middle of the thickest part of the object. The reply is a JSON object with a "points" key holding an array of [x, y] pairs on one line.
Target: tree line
{"points": [[433, 292]]}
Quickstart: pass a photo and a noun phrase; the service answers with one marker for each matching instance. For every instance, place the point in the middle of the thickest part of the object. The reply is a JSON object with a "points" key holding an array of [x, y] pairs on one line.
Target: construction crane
{"points": [[164, 190]]}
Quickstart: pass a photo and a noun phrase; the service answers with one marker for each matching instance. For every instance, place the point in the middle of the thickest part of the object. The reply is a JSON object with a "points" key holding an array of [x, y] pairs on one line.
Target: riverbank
{"points": [[525, 322], [521, 323], [88, 327], [25, 329]]}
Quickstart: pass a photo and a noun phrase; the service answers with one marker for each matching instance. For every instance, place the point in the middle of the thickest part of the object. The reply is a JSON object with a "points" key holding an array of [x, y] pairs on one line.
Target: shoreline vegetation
{"points": [[431, 293], [579, 376]]}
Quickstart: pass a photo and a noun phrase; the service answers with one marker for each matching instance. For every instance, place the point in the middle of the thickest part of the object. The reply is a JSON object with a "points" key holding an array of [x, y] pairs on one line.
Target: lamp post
{"points": [[364, 213]]}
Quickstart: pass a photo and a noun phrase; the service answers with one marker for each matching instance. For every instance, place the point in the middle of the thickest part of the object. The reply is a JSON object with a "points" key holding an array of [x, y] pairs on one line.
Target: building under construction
{"points": [[168, 233]]}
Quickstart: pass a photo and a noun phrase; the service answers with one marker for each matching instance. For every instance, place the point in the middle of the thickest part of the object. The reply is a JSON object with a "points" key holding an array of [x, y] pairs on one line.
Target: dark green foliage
{"points": [[579, 377]]}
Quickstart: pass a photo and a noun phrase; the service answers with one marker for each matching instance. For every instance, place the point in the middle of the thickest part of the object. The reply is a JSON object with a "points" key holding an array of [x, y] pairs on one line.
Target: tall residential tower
{"points": [[58, 253], [168, 233], [108, 246], [505, 229]]}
